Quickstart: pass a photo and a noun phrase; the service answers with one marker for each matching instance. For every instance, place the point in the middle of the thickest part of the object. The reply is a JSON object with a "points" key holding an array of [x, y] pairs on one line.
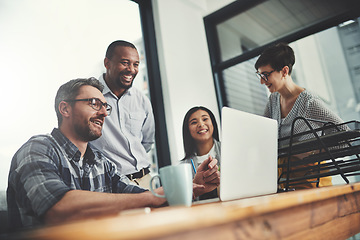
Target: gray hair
{"points": [[70, 90]]}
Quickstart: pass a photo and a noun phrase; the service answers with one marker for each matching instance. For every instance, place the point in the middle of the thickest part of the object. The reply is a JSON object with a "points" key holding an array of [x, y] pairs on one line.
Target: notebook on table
{"points": [[248, 155]]}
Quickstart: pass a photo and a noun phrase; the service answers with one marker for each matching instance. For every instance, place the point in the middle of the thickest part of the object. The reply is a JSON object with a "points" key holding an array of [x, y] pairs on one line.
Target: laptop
{"points": [[248, 155]]}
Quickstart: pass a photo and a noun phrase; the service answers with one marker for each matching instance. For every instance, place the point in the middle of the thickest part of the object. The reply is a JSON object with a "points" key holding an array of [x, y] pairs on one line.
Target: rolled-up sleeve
{"points": [[35, 179], [122, 184]]}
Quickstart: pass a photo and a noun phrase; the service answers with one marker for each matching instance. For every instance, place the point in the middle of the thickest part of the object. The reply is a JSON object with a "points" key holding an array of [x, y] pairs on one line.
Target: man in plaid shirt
{"points": [[60, 176]]}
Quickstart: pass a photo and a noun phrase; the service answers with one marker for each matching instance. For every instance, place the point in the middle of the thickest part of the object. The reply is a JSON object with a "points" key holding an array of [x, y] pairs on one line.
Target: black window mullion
{"points": [[157, 101], [290, 38]]}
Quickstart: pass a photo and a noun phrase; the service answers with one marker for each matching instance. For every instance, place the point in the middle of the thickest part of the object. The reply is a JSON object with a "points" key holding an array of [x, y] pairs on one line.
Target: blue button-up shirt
{"points": [[129, 132], [46, 167]]}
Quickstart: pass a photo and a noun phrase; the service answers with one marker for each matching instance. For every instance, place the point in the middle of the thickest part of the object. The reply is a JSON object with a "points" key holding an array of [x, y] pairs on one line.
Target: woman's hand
{"points": [[208, 176]]}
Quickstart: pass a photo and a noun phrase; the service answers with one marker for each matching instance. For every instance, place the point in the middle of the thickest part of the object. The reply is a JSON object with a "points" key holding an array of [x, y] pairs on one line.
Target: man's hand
{"points": [[206, 175], [156, 201]]}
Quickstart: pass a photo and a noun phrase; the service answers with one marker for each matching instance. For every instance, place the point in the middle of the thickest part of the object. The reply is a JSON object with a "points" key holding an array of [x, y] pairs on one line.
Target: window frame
{"points": [[154, 80], [240, 6]]}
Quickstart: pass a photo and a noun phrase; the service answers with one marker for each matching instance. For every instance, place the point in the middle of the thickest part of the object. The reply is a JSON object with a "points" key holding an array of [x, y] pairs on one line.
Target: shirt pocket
{"points": [[136, 122]]}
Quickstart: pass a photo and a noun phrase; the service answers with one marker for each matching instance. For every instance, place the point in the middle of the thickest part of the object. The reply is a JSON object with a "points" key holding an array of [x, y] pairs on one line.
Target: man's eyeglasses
{"points": [[95, 103], [264, 76]]}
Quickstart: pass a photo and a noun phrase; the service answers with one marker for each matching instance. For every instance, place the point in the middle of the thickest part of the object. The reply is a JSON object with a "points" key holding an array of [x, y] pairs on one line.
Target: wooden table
{"points": [[322, 213]]}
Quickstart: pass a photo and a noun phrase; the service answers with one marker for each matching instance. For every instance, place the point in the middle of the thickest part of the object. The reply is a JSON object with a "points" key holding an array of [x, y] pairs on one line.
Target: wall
{"points": [[43, 47], [184, 63]]}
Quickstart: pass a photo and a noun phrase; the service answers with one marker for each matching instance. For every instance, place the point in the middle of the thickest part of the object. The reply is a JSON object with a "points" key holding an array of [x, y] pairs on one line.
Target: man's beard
{"points": [[85, 133], [120, 84]]}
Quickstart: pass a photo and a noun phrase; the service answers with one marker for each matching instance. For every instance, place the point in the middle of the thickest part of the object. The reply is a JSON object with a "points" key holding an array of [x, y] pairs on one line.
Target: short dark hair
{"points": [[111, 48], [188, 141], [278, 56], [70, 90]]}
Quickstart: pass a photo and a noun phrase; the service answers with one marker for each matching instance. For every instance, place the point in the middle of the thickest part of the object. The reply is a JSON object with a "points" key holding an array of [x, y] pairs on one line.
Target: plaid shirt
{"points": [[46, 167]]}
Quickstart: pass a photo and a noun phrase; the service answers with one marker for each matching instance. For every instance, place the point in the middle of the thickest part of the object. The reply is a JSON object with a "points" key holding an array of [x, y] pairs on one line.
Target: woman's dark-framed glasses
{"points": [[264, 76], [95, 103]]}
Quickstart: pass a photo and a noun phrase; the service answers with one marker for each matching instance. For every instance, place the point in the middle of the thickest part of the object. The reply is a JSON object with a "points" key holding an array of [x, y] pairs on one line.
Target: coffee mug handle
{"points": [[151, 187]]}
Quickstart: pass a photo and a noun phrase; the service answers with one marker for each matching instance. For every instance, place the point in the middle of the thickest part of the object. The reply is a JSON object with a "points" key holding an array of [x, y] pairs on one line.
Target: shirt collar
{"points": [[107, 89], [70, 149]]}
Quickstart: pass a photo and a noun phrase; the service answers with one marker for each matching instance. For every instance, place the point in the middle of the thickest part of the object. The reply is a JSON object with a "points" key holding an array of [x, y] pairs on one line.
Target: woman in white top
{"points": [[288, 100], [200, 138]]}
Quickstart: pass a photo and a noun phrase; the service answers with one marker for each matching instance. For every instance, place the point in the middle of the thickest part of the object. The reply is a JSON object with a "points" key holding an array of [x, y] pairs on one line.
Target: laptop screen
{"points": [[248, 155]]}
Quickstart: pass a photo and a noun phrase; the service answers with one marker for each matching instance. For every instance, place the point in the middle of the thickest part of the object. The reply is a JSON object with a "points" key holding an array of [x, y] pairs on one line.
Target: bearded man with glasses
{"points": [[60, 177]]}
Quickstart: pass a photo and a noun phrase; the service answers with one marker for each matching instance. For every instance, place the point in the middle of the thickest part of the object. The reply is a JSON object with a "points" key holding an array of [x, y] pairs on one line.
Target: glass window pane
{"points": [[327, 63], [272, 20], [243, 89]]}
